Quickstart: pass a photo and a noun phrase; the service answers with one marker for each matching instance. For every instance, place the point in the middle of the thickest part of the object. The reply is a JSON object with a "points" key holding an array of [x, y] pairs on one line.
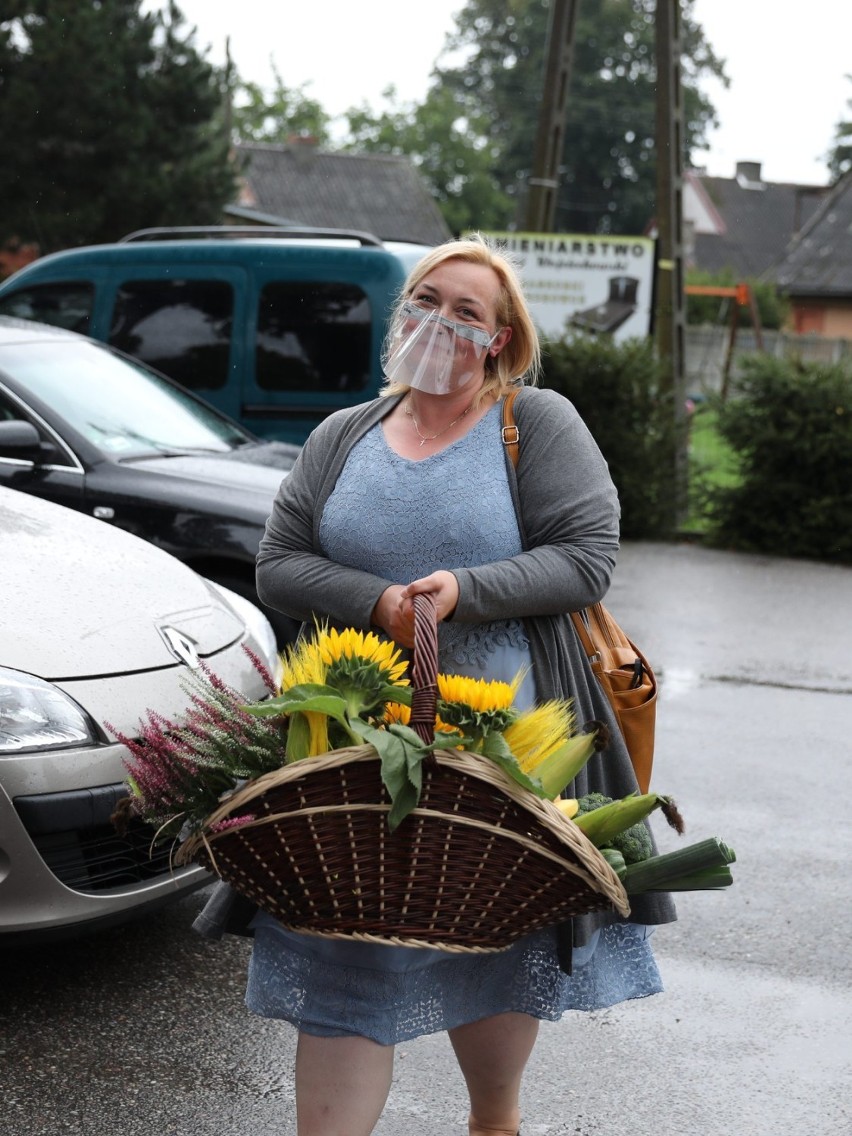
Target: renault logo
{"points": [[181, 646]]}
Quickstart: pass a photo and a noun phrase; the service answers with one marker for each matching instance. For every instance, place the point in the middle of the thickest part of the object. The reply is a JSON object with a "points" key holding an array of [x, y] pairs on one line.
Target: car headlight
{"points": [[36, 715], [258, 627]]}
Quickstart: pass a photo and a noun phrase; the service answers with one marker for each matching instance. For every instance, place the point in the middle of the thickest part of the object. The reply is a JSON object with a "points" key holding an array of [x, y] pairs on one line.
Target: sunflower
{"points": [[397, 714], [477, 706], [335, 647], [361, 667]]}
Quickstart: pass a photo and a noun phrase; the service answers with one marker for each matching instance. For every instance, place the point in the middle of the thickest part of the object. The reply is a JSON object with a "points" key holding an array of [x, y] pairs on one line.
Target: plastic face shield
{"points": [[434, 354]]}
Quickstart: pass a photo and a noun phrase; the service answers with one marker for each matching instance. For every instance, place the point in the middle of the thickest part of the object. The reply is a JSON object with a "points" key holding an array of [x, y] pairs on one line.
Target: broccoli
{"points": [[592, 801], [634, 843]]}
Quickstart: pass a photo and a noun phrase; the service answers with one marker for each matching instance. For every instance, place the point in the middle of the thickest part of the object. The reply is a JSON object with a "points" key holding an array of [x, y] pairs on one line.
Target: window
{"points": [[62, 305], [181, 327], [313, 337]]}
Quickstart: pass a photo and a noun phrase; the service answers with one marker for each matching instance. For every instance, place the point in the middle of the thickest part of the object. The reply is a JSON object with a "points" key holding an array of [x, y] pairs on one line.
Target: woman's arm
{"points": [[292, 576]]}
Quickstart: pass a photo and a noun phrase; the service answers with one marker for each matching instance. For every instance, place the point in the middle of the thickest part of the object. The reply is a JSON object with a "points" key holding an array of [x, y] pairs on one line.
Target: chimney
{"points": [[748, 175], [302, 146]]}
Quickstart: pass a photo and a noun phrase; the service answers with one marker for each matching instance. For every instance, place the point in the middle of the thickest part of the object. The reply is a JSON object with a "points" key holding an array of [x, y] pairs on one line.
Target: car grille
{"points": [[77, 841]]}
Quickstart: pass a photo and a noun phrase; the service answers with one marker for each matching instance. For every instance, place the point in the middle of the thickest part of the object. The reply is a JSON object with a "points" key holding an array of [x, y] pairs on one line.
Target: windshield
{"points": [[120, 406]]}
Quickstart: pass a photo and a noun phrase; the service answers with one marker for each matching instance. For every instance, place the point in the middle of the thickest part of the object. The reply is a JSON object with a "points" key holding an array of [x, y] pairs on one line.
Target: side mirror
{"points": [[20, 440]]}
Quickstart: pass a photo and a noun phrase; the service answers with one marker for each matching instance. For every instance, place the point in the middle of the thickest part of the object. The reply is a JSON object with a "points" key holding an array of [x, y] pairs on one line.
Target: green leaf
{"points": [[400, 694], [308, 697], [401, 754], [444, 740], [292, 699]]}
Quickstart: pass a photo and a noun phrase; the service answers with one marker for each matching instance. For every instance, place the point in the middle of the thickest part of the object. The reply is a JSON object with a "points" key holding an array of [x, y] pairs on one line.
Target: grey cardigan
{"points": [[567, 511]]}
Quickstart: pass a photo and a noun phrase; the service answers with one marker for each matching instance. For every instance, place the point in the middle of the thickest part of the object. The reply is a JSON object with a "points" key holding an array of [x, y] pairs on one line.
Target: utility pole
{"points": [[670, 313], [543, 183]]}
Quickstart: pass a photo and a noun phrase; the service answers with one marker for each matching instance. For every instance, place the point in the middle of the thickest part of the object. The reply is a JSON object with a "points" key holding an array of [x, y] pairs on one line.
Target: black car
{"points": [[88, 427]]}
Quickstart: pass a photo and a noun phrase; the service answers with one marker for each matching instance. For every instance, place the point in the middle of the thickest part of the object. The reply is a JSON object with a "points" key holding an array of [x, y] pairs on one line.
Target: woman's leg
{"points": [[342, 1084], [492, 1055]]}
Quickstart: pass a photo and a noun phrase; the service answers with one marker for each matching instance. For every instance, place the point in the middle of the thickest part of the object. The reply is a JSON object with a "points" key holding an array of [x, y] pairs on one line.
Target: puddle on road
{"points": [[676, 681]]}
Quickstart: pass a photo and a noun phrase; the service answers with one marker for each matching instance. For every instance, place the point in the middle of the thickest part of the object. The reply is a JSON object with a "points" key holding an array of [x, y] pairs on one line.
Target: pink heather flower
{"points": [[232, 822], [261, 669]]}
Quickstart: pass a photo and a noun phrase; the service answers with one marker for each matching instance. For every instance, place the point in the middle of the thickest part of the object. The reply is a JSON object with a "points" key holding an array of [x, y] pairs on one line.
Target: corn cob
{"points": [[602, 824]]}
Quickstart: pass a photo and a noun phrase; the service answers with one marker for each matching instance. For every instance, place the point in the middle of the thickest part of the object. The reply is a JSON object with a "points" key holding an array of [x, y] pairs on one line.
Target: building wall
{"points": [[832, 319]]}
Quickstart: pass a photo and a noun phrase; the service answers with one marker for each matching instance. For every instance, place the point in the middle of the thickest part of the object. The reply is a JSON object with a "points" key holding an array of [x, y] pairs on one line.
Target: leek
{"points": [[698, 867]]}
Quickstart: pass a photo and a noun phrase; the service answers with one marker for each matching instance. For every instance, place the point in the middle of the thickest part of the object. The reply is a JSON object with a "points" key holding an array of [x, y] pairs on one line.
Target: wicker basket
{"points": [[479, 863]]}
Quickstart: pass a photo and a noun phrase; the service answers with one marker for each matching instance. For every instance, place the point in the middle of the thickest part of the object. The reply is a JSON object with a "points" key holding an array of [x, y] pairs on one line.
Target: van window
{"points": [[62, 305], [313, 336], [181, 327]]}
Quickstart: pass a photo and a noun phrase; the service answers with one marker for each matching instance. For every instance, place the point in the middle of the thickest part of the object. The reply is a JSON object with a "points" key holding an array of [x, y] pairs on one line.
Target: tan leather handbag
{"points": [[620, 667]]}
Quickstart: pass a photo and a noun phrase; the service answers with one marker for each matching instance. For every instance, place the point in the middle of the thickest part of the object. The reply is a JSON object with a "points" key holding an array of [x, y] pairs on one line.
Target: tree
{"points": [[840, 156], [110, 121], [448, 149], [487, 100], [259, 116]]}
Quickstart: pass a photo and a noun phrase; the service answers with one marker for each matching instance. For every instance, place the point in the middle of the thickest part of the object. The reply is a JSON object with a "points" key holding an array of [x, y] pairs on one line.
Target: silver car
{"points": [[96, 627]]}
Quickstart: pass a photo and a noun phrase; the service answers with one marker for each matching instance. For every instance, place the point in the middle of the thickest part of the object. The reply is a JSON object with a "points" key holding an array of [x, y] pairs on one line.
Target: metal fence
{"points": [[707, 350]]}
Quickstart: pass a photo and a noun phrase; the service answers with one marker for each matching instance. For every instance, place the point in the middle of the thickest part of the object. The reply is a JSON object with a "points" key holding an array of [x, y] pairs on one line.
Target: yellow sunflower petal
{"points": [[478, 693], [395, 712], [352, 644]]}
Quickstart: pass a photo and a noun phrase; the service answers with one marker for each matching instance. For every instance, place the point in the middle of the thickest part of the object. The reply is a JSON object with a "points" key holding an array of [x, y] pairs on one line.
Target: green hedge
{"points": [[619, 390], [790, 429]]}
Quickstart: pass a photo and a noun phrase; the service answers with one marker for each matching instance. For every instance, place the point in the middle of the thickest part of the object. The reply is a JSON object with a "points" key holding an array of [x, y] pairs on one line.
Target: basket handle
{"points": [[424, 667]]}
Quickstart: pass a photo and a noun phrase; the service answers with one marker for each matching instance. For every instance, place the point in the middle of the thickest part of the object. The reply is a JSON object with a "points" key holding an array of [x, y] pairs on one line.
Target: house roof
{"points": [[376, 193], [752, 220], [818, 261]]}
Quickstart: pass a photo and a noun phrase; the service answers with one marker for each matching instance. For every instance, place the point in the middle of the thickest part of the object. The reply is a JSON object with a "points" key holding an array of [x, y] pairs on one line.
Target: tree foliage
{"points": [[450, 152], [840, 156], [620, 391], [110, 120], [274, 116], [485, 100]]}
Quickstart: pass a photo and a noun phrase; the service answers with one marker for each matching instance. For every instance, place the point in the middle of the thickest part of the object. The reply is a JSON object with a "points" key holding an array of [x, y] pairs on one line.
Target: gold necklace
{"points": [[424, 438]]}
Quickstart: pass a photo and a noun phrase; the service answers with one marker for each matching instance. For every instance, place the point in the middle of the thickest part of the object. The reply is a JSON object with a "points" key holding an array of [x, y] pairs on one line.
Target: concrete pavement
{"points": [[142, 1029], [752, 1036]]}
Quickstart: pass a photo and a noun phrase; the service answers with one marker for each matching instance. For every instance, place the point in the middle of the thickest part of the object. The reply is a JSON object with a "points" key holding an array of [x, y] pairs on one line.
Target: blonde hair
{"points": [[520, 359]]}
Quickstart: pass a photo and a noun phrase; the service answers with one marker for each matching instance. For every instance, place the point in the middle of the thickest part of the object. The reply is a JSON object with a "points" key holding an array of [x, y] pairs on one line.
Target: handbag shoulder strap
{"points": [[510, 434], [512, 441]]}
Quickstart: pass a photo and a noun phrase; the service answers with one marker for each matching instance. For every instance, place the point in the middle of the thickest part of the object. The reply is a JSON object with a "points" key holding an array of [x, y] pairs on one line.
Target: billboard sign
{"points": [[598, 284]]}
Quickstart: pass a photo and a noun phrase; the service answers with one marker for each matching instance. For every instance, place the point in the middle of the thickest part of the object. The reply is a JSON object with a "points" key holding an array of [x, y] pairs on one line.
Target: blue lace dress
{"points": [[402, 519]]}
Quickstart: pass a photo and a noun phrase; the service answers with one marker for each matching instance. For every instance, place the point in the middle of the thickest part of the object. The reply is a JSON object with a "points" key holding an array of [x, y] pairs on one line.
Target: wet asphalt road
{"points": [[141, 1030]]}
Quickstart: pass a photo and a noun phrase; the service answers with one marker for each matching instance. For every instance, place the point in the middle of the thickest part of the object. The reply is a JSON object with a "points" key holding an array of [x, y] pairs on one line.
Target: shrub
{"points": [[619, 390], [790, 427]]}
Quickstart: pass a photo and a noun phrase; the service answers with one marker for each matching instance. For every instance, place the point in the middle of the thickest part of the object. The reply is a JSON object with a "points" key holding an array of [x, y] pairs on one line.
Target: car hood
{"points": [[80, 598], [215, 469]]}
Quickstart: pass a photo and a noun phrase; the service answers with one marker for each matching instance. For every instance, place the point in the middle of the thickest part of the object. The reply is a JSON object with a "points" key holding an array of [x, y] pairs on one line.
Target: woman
{"points": [[414, 492]]}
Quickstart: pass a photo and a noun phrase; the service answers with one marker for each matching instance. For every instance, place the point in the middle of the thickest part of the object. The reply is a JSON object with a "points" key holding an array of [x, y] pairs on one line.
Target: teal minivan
{"points": [[275, 327]]}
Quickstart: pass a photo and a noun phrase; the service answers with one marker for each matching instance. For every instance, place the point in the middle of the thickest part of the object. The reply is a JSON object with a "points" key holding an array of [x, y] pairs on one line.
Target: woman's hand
{"points": [[389, 614], [394, 612], [442, 585]]}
